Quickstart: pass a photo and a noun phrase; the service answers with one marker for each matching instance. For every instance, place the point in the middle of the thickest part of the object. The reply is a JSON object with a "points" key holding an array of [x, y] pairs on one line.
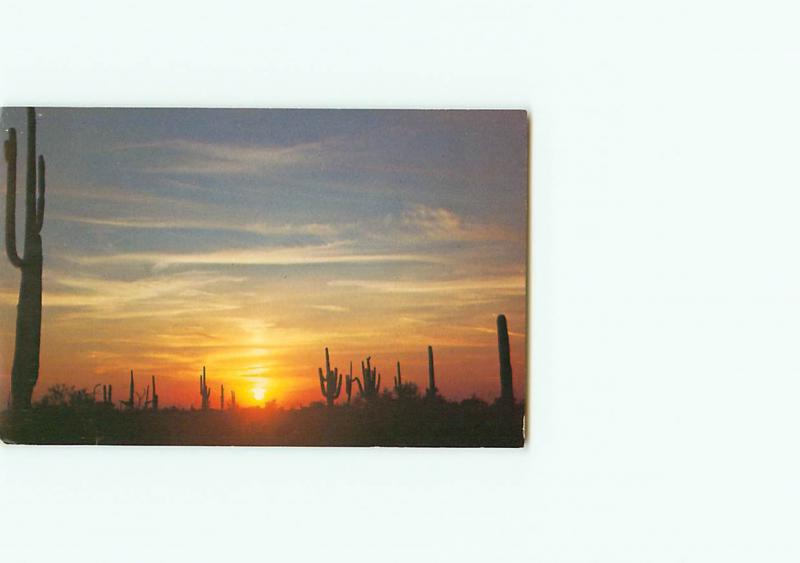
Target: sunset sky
{"points": [[248, 240]]}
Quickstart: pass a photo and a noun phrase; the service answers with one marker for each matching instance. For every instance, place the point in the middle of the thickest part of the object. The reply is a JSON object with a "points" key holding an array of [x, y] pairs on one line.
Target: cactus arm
{"points": [[321, 383], [338, 387], [10, 149], [378, 384], [360, 388], [40, 199]]}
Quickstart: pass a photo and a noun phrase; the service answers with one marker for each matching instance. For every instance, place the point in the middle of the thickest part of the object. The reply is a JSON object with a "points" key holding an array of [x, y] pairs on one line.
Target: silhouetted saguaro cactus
{"points": [[331, 383], [146, 397], [398, 379], [372, 381], [205, 391], [154, 400], [130, 404], [431, 392], [233, 400], [404, 390], [348, 383], [107, 399], [25, 369], [222, 397], [506, 387]]}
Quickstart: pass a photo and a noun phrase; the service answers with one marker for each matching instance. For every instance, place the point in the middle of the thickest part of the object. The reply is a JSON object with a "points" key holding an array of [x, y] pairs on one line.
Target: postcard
{"points": [[264, 277]]}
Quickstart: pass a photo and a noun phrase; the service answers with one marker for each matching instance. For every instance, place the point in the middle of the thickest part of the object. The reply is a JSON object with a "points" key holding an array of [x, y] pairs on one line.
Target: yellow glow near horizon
{"points": [[259, 393]]}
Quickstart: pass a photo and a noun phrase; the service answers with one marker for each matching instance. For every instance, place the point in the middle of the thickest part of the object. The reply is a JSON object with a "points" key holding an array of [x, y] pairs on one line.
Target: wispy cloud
{"points": [[114, 194], [201, 158], [513, 284], [317, 229], [152, 296], [331, 308], [334, 253], [439, 224]]}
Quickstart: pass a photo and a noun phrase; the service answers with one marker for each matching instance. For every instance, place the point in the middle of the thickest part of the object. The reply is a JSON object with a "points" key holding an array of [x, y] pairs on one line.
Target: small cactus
{"points": [[398, 379], [432, 391], [145, 397], [331, 382], [129, 404], [154, 400], [205, 391], [404, 390], [348, 383], [107, 399]]}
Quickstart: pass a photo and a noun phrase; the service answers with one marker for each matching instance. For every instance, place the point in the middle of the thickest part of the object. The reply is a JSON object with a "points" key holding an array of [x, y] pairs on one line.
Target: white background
{"points": [[665, 295]]}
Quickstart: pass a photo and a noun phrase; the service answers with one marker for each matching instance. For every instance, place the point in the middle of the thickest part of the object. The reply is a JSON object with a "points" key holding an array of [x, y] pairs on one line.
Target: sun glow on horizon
{"points": [[259, 393]]}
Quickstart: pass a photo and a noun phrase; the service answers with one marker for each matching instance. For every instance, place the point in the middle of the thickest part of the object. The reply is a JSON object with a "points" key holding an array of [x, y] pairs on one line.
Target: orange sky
{"points": [[175, 240]]}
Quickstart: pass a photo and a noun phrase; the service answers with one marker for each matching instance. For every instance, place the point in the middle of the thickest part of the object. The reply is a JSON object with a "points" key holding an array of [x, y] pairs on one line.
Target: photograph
{"points": [[265, 277], [286, 280]]}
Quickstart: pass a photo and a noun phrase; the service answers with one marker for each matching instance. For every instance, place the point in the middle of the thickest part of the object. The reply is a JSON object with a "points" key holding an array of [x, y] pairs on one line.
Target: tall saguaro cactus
{"points": [[372, 381], [205, 391], [25, 369], [431, 393], [506, 387], [331, 382]]}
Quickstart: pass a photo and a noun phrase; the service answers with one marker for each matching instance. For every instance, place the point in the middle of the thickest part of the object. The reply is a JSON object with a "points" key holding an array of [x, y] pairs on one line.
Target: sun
{"points": [[258, 393]]}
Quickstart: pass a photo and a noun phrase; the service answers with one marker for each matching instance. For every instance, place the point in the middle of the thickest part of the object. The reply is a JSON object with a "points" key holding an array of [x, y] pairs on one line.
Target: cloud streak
{"points": [[202, 158], [334, 253], [511, 284], [316, 229]]}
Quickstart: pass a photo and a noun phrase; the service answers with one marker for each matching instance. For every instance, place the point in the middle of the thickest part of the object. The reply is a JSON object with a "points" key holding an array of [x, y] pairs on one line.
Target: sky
{"points": [[249, 240]]}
